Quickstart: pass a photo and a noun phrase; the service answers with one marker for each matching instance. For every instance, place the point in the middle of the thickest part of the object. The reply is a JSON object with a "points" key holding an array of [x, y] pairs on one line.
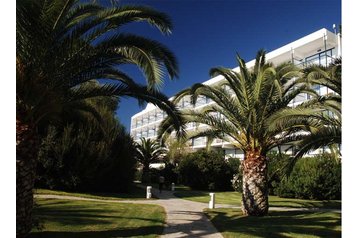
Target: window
{"points": [[151, 118], [186, 102], [151, 132], [199, 141], [159, 115], [139, 122], [138, 135], [201, 100], [145, 120], [145, 133]]}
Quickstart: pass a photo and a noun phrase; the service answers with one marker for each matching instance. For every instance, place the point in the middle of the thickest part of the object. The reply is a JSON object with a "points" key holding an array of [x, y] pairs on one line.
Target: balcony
{"points": [[323, 58]]}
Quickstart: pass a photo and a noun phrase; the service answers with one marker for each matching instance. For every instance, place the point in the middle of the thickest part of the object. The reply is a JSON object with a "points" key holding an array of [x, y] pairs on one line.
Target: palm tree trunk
{"points": [[26, 155], [254, 184]]}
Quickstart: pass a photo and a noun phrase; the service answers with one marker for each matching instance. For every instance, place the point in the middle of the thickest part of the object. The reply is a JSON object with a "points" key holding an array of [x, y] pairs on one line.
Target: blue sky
{"points": [[209, 33]]}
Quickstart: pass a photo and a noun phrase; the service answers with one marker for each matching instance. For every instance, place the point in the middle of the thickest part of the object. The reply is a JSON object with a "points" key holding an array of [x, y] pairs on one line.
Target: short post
{"points": [[173, 186], [212, 201], [149, 192]]}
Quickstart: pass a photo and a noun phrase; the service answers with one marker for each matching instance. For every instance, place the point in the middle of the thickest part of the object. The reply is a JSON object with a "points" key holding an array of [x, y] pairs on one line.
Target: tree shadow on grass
{"points": [[125, 232], [95, 219], [81, 215], [280, 224]]}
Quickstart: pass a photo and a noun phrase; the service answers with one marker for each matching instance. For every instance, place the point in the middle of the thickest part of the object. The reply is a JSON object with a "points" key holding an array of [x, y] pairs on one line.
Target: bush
{"points": [[318, 177], [236, 181], [76, 160], [277, 164], [154, 175], [206, 171], [170, 174]]}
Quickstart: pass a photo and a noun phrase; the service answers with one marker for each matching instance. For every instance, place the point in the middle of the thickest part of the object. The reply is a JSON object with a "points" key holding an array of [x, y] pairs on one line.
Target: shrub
{"points": [[317, 177], [205, 170], [78, 159], [170, 174], [236, 181], [277, 164]]}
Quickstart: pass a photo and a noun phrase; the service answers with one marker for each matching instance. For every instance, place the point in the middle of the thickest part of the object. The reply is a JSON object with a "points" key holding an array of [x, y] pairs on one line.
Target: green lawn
{"points": [[134, 193], [234, 198], [88, 219], [278, 224]]}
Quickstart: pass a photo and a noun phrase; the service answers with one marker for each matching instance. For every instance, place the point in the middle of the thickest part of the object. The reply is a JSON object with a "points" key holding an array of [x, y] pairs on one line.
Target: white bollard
{"points": [[173, 186], [149, 192], [212, 201]]}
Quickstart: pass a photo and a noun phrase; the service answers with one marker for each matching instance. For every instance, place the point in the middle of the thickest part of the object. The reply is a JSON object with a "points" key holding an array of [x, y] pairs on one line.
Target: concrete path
{"points": [[184, 218]]}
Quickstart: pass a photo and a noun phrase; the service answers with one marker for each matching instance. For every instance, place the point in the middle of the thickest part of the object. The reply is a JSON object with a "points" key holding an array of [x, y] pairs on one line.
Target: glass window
{"points": [[138, 135], [159, 115], [186, 102], [151, 118], [139, 122], [151, 132], [199, 141], [201, 100], [145, 120], [145, 133]]}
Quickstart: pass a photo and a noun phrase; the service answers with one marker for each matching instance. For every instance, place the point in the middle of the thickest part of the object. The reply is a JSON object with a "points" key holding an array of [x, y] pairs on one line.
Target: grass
{"points": [[88, 219], [135, 193], [234, 198], [278, 224]]}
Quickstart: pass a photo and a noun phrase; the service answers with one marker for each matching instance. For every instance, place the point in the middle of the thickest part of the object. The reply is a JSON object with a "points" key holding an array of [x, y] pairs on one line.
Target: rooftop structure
{"points": [[320, 47]]}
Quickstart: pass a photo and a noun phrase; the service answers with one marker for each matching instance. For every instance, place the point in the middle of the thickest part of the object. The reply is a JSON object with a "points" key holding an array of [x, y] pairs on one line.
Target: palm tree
{"points": [[244, 104], [149, 151], [61, 45]]}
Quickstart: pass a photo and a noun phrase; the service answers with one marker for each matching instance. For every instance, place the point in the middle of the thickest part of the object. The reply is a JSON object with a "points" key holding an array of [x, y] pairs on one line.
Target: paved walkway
{"points": [[184, 218]]}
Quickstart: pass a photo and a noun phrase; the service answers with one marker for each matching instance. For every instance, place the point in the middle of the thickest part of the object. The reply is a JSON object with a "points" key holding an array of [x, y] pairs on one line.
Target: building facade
{"points": [[320, 47]]}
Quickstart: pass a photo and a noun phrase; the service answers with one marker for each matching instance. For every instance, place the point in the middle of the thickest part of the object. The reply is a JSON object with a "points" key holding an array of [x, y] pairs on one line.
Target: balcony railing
{"points": [[322, 58]]}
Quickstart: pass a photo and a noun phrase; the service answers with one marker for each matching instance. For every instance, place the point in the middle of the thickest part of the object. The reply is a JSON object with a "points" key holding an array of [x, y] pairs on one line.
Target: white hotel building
{"points": [[320, 47]]}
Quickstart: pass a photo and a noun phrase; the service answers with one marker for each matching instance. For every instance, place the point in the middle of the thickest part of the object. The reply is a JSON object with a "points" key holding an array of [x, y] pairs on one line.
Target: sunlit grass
{"points": [[234, 198], [231, 223], [69, 218]]}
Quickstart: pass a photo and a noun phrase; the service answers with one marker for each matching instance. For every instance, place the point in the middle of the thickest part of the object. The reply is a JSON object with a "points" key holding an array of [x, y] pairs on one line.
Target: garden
{"points": [[79, 173]]}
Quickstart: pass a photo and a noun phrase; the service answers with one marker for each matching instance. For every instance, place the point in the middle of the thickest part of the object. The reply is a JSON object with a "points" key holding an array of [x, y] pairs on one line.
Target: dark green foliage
{"points": [[277, 169], [90, 157], [205, 170], [116, 172], [318, 177], [236, 181], [168, 171], [170, 174], [154, 175]]}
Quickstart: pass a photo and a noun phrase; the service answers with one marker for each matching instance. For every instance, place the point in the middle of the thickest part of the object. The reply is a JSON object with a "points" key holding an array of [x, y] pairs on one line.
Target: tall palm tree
{"points": [[149, 151], [61, 45], [245, 101]]}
